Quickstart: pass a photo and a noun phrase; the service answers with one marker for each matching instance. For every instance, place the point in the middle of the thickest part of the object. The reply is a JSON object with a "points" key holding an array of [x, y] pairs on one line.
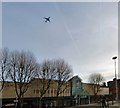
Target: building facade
{"points": [[73, 91], [76, 87], [35, 88], [33, 94], [77, 90], [112, 88], [88, 87]]}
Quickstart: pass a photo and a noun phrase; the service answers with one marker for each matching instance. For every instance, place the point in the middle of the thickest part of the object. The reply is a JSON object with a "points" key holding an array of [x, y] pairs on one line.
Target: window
{"points": [[34, 91], [51, 91], [55, 91], [37, 91], [77, 84]]}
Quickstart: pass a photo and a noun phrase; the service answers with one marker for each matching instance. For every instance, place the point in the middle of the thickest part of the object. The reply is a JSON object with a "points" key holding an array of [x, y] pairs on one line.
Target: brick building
{"points": [[112, 88]]}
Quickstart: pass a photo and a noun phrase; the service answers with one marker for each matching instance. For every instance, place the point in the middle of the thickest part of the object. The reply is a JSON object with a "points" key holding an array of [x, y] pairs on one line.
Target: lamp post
{"points": [[114, 58]]}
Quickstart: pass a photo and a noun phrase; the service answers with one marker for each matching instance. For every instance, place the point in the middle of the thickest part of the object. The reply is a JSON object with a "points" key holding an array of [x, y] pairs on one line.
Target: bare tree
{"points": [[63, 74], [96, 79], [46, 73], [22, 70], [4, 64], [57, 71]]}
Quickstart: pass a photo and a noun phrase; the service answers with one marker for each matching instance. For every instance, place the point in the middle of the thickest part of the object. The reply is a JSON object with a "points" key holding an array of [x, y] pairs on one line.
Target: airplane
{"points": [[47, 19]]}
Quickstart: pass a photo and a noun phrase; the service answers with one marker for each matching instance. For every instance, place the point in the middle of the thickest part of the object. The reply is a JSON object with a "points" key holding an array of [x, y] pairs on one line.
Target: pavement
{"points": [[116, 104], [97, 105]]}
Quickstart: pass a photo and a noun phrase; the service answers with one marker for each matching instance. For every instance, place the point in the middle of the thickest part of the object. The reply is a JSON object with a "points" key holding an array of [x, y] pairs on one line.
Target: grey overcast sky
{"points": [[84, 34]]}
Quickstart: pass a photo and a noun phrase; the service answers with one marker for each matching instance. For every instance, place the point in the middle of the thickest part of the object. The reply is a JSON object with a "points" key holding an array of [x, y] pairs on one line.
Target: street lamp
{"points": [[114, 58]]}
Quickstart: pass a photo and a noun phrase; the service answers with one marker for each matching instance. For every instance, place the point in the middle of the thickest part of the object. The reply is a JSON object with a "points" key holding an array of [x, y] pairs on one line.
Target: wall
{"points": [[34, 90]]}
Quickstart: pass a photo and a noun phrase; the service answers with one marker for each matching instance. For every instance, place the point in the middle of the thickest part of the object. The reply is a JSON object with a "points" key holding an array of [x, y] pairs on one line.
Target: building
{"points": [[34, 92], [83, 92], [74, 92], [104, 90], [77, 90], [112, 88], [35, 88], [88, 87]]}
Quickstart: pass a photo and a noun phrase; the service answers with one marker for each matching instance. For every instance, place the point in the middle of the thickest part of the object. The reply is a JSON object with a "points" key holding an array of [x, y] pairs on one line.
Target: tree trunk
{"points": [[39, 103], [20, 103]]}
